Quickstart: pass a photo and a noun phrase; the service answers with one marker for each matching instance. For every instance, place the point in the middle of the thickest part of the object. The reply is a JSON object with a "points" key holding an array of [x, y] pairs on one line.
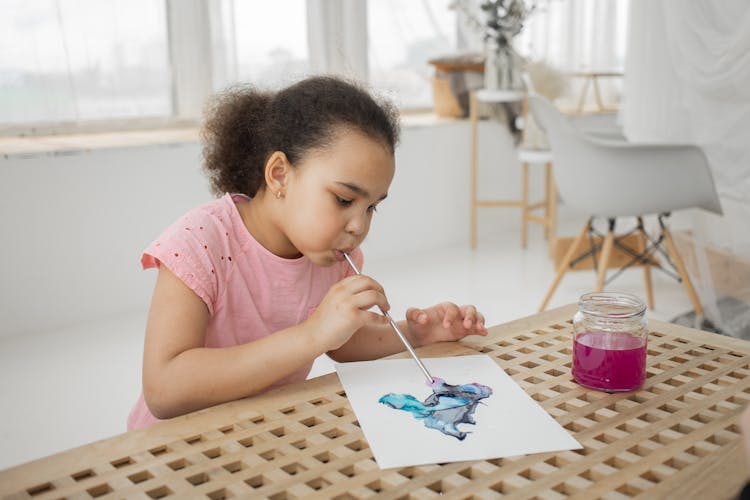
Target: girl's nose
{"points": [[357, 225]]}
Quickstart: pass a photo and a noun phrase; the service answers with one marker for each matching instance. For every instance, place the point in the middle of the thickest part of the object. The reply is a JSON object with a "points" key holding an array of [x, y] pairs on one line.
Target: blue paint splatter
{"points": [[447, 406]]}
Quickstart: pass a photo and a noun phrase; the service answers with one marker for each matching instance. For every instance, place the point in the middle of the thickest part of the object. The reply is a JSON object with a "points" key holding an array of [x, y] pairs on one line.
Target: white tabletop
{"points": [[496, 95], [528, 155]]}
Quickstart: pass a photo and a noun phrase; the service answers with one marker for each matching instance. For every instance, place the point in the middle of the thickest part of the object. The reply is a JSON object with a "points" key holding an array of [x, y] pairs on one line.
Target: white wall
{"points": [[428, 203], [73, 226]]}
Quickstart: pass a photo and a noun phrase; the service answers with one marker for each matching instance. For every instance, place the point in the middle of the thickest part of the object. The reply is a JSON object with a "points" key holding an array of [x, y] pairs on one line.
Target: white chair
{"points": [[608, 178]]}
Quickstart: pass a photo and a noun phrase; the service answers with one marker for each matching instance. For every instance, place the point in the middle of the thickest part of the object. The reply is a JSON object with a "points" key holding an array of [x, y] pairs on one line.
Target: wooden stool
{"points": [[527, 157], [475, 97], [548, 203]]}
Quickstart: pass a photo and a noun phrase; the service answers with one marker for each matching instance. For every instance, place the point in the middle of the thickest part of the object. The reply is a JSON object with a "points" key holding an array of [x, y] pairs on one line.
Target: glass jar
{"points": [[610, 337]]}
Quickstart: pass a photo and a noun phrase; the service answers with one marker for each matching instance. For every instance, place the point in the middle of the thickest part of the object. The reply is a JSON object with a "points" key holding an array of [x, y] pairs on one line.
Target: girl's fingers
{"points": [[447, 314], [416, 315], [451, 312], [469, 314], [364, 291], [373, 317], [358, 283], [368, 298], [479, 325]]}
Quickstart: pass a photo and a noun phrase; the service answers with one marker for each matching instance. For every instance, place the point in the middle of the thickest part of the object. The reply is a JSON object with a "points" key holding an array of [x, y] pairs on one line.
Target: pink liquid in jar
{"points": [[609, 361]]}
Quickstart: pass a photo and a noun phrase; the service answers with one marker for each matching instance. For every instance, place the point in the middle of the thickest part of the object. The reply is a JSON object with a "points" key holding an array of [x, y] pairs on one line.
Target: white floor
{"points": [[70, 387]]}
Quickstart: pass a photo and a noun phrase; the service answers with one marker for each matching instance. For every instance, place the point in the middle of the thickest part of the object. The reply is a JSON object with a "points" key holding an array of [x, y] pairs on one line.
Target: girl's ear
{"points": [[277, 172]]}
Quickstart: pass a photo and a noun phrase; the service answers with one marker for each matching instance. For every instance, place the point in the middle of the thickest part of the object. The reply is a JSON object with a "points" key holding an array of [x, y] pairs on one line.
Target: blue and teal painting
{"points": [[447, 406]]}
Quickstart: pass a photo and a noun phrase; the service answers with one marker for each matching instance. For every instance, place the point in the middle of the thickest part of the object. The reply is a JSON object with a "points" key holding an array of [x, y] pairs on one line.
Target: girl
{"points": [[252, 287]]}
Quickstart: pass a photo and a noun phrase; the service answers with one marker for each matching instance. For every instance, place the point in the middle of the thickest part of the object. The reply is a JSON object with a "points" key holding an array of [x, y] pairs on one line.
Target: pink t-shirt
{"points": [[250, 292]]}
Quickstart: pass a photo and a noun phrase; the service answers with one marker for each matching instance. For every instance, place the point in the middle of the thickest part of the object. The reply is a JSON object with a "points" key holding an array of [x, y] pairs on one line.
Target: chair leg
{"points": [[601, 274], [547, 201], [643, 245], [524, 203], [473, 119], [680, 264], [565, 264], [552, 204]]}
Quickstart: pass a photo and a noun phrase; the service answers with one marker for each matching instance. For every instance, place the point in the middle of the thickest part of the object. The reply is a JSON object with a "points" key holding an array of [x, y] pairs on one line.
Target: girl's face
{"points": [[332, 195]]}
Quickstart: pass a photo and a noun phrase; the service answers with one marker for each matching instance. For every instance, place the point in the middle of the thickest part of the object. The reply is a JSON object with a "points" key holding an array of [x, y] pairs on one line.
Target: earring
{"points": [[278, 195]]}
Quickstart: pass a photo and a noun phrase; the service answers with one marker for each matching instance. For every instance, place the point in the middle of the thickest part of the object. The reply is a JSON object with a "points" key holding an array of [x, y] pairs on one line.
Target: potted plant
{"points": [[498, 22]]}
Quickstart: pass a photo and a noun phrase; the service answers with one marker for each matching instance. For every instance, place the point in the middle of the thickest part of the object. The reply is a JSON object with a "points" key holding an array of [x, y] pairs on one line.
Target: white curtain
{"points": [[687, 71], [64, 62], [571, 36], [576, 34], [579, 35], [337, 37]]}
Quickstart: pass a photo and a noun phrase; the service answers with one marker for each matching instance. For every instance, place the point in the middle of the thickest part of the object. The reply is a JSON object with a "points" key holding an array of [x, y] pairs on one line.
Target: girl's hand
{"points": [[444, 322], [344, 310]]}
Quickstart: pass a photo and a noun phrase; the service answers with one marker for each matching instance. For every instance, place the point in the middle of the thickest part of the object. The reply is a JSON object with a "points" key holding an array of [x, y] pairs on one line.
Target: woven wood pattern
{"points": [[676, 437]]}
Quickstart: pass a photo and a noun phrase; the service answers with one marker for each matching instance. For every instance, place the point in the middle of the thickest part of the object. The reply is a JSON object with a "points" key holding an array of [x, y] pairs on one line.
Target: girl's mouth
{"points": [[339, 254]]}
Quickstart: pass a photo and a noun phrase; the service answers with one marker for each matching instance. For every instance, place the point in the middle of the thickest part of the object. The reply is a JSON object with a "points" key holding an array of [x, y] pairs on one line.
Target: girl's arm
{"points": [[180, 375], [443, 322], [373, 343]]}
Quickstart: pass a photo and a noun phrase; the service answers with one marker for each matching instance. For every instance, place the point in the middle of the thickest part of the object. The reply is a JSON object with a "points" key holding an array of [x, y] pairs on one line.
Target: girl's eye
{"points": [[372, 208], [343, 201]]}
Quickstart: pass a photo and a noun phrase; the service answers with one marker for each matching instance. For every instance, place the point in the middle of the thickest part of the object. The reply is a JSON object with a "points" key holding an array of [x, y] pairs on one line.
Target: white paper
{"points": [[508, 423]]}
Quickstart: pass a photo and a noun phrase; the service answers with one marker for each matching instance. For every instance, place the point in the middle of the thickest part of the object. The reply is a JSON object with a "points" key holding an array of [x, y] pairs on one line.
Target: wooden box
{"points": [[617, 259], [451, 100], [729, 274]]}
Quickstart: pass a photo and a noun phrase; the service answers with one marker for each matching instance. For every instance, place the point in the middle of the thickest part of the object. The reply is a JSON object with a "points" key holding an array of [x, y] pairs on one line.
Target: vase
{"points": [[491, 70], [502, 67]]}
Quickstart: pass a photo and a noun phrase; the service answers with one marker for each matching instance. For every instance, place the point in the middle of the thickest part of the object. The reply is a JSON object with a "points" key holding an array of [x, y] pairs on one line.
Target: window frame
{"points": [[340, 44], [188, 33]]}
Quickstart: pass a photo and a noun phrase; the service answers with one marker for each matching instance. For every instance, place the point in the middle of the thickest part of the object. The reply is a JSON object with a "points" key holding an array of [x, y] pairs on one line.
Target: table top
{"points": [[676, 437], [595, 73], [495, 95]]}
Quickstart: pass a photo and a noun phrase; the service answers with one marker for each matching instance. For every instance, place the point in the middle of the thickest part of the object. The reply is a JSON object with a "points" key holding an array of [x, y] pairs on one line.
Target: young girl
{"points": [[253, 286]]}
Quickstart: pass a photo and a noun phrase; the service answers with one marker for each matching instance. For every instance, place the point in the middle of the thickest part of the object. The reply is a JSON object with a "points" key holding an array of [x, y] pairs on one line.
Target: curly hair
{"points": [[244, 126]]}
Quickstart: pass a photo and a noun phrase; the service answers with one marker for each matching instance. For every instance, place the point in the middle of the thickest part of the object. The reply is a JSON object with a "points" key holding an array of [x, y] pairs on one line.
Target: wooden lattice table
{"points": [[677, 437]]}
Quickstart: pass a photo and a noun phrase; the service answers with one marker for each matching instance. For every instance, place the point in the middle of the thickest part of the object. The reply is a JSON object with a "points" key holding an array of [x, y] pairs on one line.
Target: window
{"points": [[402, 37], [134, 63], [79, 60], [66, 63], [266, 42]]}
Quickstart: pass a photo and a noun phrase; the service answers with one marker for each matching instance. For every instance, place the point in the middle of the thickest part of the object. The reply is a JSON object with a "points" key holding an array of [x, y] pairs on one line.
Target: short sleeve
{"points": [[186, 249]]}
